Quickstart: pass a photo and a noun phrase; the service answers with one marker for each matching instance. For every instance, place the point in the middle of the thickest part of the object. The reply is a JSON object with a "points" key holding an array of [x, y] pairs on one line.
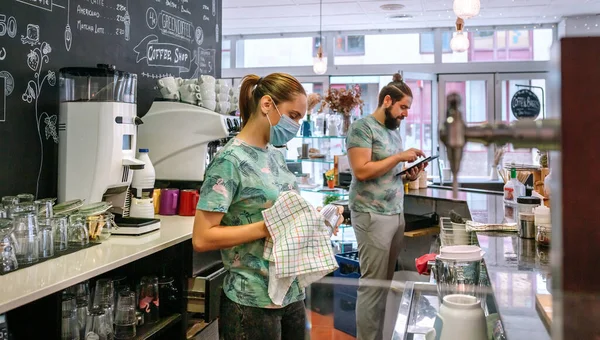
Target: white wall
{"points": [[585, 26]]}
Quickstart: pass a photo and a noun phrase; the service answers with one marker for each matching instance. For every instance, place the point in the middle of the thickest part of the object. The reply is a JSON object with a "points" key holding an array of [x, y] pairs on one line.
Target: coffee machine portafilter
{"points": [[543, 134]]}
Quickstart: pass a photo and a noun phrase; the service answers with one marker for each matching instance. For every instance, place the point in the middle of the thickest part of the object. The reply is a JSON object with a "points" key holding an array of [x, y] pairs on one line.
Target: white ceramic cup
{"points": [[423, 179], [169, 93], [224, 108], [191, 98], [208, 95], [167, 82], [209, 104], [190, 81], [206, 79], [179, 81], [223, 98], [188, 90], [222, 89]]}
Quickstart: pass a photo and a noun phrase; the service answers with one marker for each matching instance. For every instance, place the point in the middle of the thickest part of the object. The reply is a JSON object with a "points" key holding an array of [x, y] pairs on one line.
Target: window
{"points": [[509, 88], [381, 49], [505, 45], [416, 128], [276, 52], [427, 42], [226, 54]]}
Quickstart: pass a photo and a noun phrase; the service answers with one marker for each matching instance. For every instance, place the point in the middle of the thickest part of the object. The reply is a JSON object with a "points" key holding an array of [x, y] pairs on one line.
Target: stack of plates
{"points": [[454, 234]]}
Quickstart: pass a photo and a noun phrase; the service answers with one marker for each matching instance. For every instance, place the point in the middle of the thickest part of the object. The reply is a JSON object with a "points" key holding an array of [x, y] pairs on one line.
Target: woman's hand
{"points": [[336, 228]]}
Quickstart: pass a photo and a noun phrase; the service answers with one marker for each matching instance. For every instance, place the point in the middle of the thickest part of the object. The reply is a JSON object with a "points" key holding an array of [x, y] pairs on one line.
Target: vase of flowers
{"points": [[330, 176], [343, 102]]}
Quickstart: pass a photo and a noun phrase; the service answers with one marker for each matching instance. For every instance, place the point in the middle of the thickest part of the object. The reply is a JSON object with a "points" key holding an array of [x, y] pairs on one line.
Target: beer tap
{"points": [[543, 134]]}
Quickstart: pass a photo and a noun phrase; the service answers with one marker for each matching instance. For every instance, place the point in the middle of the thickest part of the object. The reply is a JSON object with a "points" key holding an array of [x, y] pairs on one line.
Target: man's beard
{"points": [[391, 122]]}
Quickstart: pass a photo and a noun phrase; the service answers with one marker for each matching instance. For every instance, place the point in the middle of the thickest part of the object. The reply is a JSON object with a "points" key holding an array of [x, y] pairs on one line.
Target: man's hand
{"points": [[410, 155], [413, 174]]}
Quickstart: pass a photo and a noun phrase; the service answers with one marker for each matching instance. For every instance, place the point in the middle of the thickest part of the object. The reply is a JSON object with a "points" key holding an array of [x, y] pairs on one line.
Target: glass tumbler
{"points": [[27, 247], [98, 326], [60, 227], [46, 239], [44, 207], [25, 198], [78, 233], [69, 325], [8, 259], [7, 201], [125, 318], [148, 298]]}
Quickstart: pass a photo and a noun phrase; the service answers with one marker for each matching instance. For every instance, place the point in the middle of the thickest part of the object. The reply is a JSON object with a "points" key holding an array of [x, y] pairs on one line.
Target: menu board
{"points": [[152, 38]]}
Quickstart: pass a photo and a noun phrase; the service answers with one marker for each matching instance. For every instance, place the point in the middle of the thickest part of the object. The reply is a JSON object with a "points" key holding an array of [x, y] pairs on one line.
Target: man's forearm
{"points": [[376, 169]]}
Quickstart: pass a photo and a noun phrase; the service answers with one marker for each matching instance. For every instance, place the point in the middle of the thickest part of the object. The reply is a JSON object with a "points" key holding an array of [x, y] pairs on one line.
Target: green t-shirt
{"points": [[241, 182], [383, 195]]}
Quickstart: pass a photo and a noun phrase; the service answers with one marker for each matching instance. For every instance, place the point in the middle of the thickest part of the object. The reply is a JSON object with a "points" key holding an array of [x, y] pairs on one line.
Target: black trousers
{"points": [[238, 322]]}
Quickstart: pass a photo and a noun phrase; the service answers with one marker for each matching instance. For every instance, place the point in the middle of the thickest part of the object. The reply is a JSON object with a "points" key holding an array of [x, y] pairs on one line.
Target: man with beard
{"points": [[377, 200]]}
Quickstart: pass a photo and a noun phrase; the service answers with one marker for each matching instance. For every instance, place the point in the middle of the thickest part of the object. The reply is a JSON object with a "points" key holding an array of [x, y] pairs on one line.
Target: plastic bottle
{"points": [[513, 188], [143, 180]]}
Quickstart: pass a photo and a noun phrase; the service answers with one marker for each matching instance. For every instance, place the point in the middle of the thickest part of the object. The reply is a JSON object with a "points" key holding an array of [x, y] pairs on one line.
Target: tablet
{"points": [[428, 159]]}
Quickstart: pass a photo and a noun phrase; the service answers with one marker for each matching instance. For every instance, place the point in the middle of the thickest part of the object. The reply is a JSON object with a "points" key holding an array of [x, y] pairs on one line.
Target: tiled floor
{"points": [[322, 328]]}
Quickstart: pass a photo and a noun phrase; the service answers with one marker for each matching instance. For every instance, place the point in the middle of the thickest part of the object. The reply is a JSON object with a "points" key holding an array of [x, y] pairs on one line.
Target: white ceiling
{"points": [[282, 16]]}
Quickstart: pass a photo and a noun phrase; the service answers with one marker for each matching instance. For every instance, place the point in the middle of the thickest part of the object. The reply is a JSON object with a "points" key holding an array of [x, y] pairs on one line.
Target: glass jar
{"points": [[543, 236], [526, 204]]}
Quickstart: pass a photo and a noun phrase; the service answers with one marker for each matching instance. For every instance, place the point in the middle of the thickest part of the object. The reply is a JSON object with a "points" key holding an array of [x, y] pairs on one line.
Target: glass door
{"points": [[507, 85], [477, 106]]}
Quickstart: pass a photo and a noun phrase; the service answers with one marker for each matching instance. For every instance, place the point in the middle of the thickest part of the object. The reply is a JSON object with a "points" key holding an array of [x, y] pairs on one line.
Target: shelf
{"points": [[147, 331], [319, 190], [310, 160], [321, 137]]}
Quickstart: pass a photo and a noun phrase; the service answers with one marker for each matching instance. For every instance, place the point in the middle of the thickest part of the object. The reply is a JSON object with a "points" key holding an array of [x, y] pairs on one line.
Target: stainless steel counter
{"points": [[515, 270]]}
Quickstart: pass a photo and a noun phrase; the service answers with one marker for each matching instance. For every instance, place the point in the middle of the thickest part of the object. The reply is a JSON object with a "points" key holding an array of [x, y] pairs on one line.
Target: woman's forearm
{"points": [[222, 237]]}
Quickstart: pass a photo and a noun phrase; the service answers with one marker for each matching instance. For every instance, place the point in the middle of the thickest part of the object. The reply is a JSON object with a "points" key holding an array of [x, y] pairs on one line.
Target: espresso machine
{"points": [[183, 138], [97, 135]]}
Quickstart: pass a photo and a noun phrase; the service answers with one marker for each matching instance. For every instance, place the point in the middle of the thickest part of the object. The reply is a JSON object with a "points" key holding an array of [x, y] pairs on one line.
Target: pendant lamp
{"points": [[466, 9], [460, 42], [319, 62]]}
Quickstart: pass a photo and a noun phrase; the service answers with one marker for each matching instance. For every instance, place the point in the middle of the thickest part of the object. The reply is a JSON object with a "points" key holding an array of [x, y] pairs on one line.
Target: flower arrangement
{"points": [[313, 100], [330, 174], [343, 101]]}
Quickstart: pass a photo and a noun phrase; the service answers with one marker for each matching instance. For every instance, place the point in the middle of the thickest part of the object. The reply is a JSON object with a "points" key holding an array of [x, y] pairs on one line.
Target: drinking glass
{"points": [[25, 198], [9, 200], [125, 319], [104, 292], [97, 325], [27, 247], [44, 207], [148, 298], [78, 233], [60, 227], [46, 235], [8, 259], [69, 324]]}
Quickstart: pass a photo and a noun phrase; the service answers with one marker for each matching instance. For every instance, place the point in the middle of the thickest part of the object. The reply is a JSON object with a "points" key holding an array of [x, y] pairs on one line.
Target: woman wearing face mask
{"points": [[245, 178]]}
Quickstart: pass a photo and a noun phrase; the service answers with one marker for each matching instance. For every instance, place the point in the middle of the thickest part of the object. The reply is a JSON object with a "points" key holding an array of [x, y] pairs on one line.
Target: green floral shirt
{"points": [[383, 195], [241, 182]]}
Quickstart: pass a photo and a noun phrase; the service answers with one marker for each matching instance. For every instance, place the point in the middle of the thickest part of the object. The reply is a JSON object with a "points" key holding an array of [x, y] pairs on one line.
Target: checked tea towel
{"points": [[299, 247]]}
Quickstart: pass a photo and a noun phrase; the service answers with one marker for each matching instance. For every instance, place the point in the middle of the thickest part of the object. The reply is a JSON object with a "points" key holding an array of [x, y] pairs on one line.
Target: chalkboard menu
{"points": [[525, 105], [152, 38]]}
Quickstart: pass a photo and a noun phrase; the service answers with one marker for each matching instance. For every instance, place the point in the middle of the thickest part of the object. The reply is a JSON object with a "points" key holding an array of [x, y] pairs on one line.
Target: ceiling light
{"points": [[391, 7], [400, 17], [320, 63], [460, 42], [466, 9]]}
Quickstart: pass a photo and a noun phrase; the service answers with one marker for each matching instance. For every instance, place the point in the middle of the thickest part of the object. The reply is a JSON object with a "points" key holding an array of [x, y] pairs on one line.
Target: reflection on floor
{"points": [[322, 328]]}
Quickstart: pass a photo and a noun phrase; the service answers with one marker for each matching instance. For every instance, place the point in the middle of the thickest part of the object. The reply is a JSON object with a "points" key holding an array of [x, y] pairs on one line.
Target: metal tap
{"points": [[543, 134]]}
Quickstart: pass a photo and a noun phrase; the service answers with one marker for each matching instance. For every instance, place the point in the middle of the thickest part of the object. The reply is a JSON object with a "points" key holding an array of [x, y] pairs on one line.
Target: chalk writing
{"points": [[170, 4], [175, 27], [68, 33], [7, 85], [8, 26], [525, 104], [87, 12], [42, 4], [199, 35], [32, 35], [206, 61], [185, 10], [151, 18], [159, 54], [92, 28]]}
